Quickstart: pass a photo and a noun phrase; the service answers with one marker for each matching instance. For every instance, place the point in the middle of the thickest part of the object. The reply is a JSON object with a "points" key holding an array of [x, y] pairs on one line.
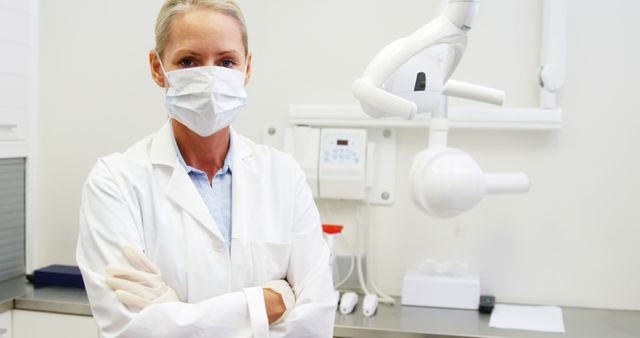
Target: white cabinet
{"points": [[18, 65], [19, 22], [5, 324], [32, 324]]}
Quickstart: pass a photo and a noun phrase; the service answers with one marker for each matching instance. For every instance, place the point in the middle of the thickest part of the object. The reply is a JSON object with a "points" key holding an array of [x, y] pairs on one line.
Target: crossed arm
{"points": [[106, 223]]}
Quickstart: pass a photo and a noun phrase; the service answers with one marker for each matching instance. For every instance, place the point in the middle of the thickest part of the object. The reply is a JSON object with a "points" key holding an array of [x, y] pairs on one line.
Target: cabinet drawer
{"points": [[31, 324], [5, 324]]}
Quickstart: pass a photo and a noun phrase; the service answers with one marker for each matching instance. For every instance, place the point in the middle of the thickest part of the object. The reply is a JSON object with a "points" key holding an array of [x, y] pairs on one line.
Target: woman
{"points": [[195, 231]]}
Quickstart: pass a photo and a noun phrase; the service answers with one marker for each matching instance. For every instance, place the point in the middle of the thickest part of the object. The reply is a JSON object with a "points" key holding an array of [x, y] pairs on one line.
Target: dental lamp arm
{"points": [[383, 101], [506, 183], [474, 92], [462, 13], [449, 28], [438, 31]]}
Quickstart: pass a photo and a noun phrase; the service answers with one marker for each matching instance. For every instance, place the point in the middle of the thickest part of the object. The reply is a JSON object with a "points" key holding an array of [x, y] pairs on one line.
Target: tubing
{"points": [[352, 267], [382, 297]]}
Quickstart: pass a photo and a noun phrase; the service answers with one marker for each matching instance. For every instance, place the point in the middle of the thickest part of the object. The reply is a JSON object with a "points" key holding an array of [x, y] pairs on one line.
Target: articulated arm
{"points": [[408, 76]]}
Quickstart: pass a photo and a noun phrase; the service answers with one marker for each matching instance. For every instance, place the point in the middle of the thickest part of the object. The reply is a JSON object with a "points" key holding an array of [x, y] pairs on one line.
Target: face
{"points": [[199, 38]]}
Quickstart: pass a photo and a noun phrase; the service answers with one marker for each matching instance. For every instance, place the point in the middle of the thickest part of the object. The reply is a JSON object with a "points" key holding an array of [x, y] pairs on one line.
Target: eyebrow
{"points": [[188, 52], [226, 52]]}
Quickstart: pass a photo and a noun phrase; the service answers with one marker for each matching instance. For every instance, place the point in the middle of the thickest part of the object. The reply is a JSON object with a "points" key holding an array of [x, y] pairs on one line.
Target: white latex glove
{"points": [[283, 288], [141, 286]]}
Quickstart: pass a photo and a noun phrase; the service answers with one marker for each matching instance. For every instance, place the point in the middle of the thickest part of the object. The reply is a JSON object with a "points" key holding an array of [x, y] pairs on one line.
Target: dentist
{"points": [[195, 231]]}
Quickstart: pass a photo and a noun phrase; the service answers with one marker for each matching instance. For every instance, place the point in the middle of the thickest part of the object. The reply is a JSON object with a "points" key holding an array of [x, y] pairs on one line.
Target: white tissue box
{"points": [[462, 292]]}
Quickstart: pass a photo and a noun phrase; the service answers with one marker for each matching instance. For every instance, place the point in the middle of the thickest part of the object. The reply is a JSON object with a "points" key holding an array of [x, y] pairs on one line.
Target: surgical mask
{"points": [[205, 99]]}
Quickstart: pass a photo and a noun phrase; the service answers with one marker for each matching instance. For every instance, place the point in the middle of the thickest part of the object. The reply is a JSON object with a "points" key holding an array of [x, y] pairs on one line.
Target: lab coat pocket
{"points": [[270, 260]]}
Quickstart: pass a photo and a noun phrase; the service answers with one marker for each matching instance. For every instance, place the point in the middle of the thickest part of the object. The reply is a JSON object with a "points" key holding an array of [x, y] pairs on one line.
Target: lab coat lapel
{"points": [[245, 189], [180, 189]]}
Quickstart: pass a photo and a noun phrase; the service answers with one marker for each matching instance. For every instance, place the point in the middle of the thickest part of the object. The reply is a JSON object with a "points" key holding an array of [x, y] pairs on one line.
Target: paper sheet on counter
{"points": [[531, 318]]}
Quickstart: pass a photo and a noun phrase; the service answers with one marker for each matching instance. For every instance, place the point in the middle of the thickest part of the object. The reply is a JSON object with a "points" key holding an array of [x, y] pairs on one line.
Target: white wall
{"points": [[570, 241], [96, 97]]}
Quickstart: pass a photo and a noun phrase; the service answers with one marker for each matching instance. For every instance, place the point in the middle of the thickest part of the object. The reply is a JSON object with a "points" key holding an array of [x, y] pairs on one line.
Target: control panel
{"points": [[342, 169]]}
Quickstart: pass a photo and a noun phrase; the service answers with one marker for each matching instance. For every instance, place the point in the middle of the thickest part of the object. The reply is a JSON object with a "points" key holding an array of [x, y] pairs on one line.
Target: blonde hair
{"points": [[171, 8]]}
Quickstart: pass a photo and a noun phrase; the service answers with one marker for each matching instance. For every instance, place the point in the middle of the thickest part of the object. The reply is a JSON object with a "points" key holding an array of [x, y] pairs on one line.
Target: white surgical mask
{"points": [[205, 99]]}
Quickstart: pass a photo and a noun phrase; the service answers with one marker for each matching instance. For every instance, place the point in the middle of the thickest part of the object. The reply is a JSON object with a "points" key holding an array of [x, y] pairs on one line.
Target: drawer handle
{"points": [[8, 126], [3, 331]]}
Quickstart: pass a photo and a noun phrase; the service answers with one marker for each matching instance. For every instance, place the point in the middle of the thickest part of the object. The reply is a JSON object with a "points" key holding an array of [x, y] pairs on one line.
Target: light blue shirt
{"points": [[217, 195]]}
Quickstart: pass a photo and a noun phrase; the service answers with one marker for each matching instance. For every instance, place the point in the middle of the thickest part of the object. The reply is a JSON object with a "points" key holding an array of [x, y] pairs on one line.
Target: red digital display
{"points": [[343, 142]]}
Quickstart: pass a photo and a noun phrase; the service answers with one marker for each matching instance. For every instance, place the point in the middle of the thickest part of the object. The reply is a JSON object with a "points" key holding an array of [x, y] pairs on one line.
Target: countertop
{"points": [[18, 294], [390, 321], [422, 322]]}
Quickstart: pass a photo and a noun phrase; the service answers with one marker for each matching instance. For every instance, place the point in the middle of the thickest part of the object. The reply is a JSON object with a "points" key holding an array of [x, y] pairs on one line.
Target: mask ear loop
{"points": [[164, 72], [246, 66]]}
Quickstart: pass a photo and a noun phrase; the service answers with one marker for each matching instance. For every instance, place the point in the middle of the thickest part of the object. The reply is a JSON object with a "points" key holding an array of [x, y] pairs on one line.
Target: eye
{"points": [[228, 63], [186, 63]]}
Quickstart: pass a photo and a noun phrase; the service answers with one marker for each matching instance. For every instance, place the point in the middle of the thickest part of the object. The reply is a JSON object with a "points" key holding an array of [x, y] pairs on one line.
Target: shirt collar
{"points": [[227, 167]]}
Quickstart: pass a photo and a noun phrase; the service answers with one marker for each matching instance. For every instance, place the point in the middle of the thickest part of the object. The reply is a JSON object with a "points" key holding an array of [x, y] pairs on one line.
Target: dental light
{"points": [[412, 76]]}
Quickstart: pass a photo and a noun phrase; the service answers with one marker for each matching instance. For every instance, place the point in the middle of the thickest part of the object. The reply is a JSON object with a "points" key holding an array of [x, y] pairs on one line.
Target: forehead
{"points": [[205, 30]]}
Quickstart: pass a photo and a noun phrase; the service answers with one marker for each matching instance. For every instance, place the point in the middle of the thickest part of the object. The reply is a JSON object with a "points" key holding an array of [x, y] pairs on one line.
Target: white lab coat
{"points": [[146, 198]]}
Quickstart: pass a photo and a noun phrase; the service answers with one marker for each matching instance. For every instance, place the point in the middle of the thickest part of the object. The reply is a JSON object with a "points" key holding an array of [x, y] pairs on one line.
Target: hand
{"points": [[274, 304], [278, 300], [142, 286]]}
